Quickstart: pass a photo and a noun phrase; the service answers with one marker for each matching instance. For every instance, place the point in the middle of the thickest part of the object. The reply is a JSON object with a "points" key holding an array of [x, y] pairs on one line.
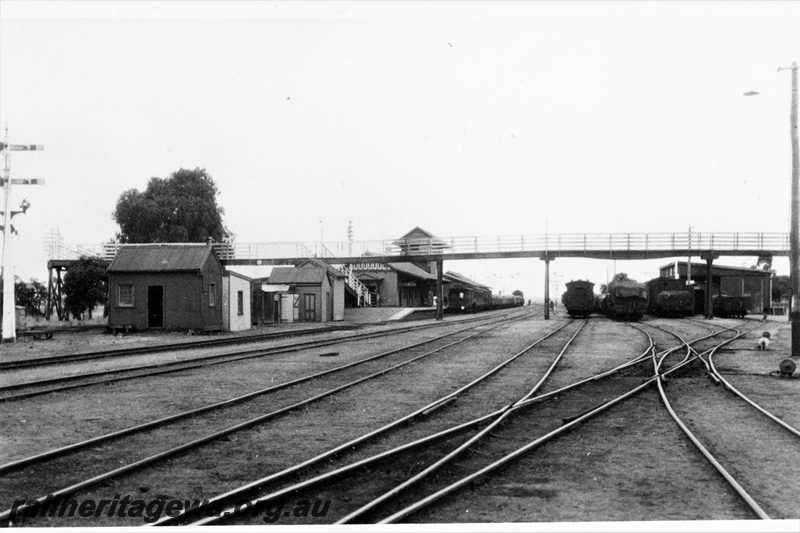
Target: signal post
{"points": [[9, 299]]}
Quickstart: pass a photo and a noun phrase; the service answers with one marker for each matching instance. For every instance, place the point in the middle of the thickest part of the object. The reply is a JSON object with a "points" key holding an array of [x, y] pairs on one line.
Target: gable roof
{"points": [[284, 276], [418, 233], [162, 258], [321, 264], [420, 241]]}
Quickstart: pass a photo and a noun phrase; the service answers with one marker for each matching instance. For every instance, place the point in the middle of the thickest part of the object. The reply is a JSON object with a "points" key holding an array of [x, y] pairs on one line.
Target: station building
{"points": [[403, 284], [725, 280]]}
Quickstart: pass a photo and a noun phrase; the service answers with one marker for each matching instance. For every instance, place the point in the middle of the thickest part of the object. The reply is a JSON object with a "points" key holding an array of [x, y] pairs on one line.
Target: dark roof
{"points": [[419, 240], [322, 264], [412, 270], [701, 265], [418, 233], [455, 277], [237, 275], [297, 275], [161, 258]]}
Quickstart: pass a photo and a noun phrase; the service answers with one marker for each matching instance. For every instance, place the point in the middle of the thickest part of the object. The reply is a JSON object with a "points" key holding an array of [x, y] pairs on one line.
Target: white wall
{"points": [[231, 319]]}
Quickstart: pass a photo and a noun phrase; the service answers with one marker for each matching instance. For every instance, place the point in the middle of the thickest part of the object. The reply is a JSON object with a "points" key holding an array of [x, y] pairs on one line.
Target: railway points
{"points": [[599, 360]]}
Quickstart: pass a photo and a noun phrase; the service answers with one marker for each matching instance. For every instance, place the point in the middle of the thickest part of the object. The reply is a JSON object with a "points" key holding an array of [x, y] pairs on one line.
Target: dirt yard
{"points": [[629, 464]]}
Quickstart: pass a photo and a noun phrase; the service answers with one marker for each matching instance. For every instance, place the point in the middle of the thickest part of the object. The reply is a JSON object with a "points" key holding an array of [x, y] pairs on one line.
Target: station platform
{"points": [[387, 314]]}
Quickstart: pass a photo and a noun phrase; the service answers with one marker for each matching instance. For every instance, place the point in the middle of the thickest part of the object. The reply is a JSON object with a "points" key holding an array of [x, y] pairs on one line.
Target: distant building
{"points": [[307, 296], [166, 286], [403, 284], [725, 280]]}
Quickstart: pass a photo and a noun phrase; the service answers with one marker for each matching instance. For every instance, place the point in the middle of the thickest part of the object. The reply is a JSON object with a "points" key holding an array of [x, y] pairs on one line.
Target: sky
{"points": [[462, 118]]}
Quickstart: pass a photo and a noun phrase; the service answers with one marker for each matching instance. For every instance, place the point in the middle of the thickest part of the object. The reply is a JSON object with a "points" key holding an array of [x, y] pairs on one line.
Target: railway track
{"points": [[38, 362], [478, 460], [227, 514], [699, 413], [491, 424], [27, 389], [104, 477]]}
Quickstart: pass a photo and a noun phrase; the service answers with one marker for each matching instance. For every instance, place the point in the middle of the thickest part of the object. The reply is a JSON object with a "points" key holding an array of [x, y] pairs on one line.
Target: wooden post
{"points": [[439, 290], [709, 284], [546, 287]]}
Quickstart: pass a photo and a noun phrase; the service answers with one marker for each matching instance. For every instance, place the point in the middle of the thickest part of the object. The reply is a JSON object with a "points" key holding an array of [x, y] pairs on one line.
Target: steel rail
{"points": [[231, 511], [413, 508], [235, 510], [710, 458], [6, 515], [464, 446], [164, 347], [497, 464], [753, 404], [189, 364], [27, 461], [436, 404]]}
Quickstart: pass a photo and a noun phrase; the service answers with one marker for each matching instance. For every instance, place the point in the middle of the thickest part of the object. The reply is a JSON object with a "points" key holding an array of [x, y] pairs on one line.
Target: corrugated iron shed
{"points": [[161, 258]]}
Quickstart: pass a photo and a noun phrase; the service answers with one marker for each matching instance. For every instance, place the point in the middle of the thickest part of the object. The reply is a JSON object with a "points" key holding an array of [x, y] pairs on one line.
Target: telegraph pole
{"points": [[794, 236], [9, 300]]}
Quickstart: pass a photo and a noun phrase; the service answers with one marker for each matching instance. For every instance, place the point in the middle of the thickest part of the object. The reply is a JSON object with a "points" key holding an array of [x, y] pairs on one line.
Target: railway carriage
{"points": [[465, 299], [579, 298], [504, 301]]}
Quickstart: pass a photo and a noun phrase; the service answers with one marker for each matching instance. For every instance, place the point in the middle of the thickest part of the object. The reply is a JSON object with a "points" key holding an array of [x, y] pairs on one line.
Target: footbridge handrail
{"points": [[681, 243]]}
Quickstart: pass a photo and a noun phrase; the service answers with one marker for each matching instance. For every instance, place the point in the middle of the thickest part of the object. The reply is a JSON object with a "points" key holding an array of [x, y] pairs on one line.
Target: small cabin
{"points": [[166, 287]]}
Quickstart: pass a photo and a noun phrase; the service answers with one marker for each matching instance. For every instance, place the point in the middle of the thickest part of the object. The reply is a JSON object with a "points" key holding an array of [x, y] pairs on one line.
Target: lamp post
{"points": [[794, 231], [794, 236]]}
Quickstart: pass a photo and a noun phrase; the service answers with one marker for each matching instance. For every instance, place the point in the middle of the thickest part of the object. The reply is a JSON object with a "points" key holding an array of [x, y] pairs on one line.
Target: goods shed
{"points": [[166, 286], [725, 280]]}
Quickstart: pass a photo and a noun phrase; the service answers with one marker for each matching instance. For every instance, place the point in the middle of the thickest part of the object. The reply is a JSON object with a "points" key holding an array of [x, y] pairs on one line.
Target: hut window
{"points": [[240, 302], [212, 294], [125, 295]]}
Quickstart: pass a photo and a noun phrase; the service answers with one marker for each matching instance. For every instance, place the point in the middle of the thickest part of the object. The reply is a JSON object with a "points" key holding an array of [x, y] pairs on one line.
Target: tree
{"points": [[85, 285], [181, 208], [622, 276], [32, 296], [781, 289], [764, 262]]}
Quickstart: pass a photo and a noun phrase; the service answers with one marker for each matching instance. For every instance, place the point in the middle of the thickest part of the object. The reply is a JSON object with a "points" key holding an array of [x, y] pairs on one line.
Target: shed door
{"points": [[155, 306], [310, 307]]}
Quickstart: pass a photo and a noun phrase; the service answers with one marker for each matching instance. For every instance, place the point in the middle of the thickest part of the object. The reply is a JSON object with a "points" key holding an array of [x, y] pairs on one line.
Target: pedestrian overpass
{"points": [[546, 247]]}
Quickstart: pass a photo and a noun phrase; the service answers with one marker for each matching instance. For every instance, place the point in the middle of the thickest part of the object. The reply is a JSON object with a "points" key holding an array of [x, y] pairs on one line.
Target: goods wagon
{"points": [[579, 298], [501, 302], [728, 306], [673, 303], [626, 300]]}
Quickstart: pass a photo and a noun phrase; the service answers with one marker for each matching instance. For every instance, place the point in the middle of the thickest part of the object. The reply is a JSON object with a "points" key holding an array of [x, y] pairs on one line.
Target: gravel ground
{"points": [[629, 464]]}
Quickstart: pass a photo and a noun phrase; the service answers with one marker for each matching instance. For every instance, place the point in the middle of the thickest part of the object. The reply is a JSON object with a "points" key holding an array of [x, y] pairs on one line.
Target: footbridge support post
{"points": [[708, 308], [546, 258], [439, 289]]}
